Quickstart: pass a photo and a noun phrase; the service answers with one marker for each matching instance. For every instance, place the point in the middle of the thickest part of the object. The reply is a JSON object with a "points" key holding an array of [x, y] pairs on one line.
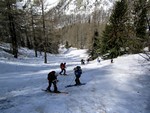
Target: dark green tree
{"points": [[10, 6], [114, 36], [3, 30], [10, 23], [95, 45], [140, 23]]}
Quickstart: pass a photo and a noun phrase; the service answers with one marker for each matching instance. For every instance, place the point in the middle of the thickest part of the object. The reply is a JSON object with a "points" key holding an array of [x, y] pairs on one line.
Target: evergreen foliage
{"points": [[10, 22], [114, 36], [140, 23], [94, 51]]}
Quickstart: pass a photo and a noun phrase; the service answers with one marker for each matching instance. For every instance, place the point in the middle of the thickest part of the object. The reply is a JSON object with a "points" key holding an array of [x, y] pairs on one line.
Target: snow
{"points": [[51, 3], [119, 87], [87, 6]]}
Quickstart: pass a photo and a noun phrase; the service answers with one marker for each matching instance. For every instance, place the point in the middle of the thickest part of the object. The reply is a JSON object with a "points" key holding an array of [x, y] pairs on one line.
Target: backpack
{"points": [[78, 71], [62, 65], [51, 76]]}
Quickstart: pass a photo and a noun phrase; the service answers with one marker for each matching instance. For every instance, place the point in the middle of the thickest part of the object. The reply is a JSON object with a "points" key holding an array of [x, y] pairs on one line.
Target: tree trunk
{"points": [[33, 33], [12, 31], [44, 37]]}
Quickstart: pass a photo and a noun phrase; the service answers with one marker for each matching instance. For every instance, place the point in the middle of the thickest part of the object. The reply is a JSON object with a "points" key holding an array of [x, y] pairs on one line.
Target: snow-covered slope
{"points": [[86, 6], [69, 7], [121, 87], [80, 6]]}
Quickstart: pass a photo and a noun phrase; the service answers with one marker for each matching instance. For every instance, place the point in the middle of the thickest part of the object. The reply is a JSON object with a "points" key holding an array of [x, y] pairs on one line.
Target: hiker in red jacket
{"points": [[63, 68]]}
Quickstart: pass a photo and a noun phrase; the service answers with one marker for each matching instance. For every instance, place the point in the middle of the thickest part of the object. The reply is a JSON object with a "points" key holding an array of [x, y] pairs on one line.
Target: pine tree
{"points": [[106, 41], [11, 20], [3, 30], [11, 9], [114, 35], [95, 45], [148, 22], [140, 23]]}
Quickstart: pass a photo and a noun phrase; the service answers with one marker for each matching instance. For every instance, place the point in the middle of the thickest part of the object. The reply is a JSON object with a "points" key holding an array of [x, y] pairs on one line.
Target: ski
{"points": [[75, 85], [59, 92]]}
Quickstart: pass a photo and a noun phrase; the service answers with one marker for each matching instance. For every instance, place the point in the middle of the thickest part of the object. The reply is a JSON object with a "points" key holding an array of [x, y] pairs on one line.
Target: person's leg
{"points": [[61, 71], [55, 87], [78, 81], [64, 71], [49, 86]]}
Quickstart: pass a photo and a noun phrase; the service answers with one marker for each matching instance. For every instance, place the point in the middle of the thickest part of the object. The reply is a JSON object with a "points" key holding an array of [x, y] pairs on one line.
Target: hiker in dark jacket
{"points": [[77, 72], [52, 79], [82, 61], [63, 68]]}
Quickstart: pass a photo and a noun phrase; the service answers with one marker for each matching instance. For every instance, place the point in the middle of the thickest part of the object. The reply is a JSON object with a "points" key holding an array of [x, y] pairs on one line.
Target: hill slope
{"points": [[121, 87]]}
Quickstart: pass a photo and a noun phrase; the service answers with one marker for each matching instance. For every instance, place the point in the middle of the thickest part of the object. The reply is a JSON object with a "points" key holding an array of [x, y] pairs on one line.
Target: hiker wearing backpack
{"points": [[77, 72], [63, 68], [52, 79], [82, 61]]}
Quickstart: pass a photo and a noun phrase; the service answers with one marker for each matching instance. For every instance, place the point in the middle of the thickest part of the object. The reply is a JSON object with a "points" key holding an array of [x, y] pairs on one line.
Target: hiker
{"points": [[98, 60], [63, 68], [82, 61], [111, 60], [77, 72], [88, 60], [52, 79]]}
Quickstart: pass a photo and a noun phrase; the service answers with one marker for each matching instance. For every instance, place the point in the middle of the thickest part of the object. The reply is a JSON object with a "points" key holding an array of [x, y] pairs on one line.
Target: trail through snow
{"points": [[119, 87]]}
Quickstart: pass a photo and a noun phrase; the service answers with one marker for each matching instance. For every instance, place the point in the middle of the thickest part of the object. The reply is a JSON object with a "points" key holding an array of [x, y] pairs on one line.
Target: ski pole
{"points": [[72, 81]]}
